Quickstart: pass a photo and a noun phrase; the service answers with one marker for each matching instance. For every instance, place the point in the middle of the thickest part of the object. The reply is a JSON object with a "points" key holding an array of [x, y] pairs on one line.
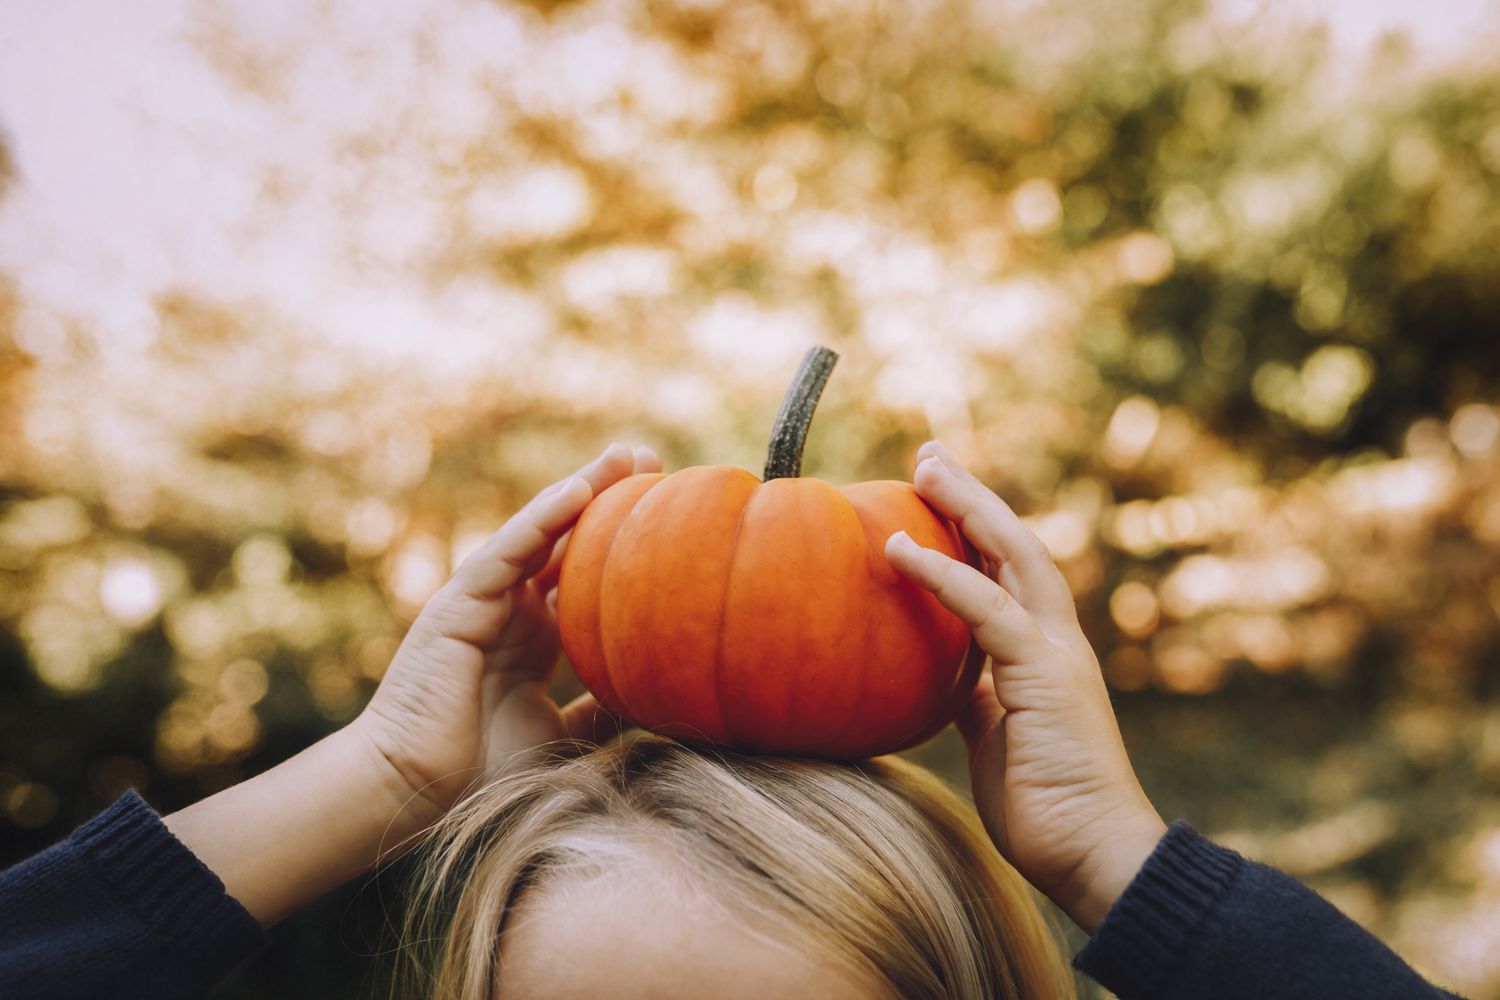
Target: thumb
{"points": [[589, 722], [981, 723], [981, 713]]}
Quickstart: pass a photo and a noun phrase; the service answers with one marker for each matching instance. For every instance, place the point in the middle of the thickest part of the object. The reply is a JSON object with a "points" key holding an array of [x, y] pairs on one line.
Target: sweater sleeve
{"points": [[1199, 921], [121, 909]]}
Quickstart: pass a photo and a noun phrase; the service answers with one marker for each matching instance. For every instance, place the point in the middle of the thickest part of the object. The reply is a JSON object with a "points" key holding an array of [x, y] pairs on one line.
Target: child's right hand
{"points": [[1051, 777], [468, 687]]}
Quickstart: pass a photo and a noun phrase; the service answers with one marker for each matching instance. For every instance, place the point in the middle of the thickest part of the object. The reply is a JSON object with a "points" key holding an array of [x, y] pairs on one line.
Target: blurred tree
{"points": [[1208, 302]]}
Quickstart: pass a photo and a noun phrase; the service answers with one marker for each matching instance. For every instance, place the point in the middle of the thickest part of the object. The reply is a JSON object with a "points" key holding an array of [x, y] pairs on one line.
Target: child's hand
{"points": [[1051, 777], [468, 687]]}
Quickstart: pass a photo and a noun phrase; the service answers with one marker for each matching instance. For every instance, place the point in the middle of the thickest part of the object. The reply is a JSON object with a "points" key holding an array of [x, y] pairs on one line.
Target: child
{"points": [[647, 869]]}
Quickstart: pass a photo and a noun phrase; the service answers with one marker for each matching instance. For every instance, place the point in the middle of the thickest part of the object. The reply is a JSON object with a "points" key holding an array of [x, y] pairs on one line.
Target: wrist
{"points": [[408, 807], [290, 834], [1109, 867]]}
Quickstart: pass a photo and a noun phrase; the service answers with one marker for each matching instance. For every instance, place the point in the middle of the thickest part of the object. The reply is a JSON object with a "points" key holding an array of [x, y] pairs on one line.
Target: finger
{"points": [[586, 720], [511, 554], [1002, 627], [981, 713], [646, 460], [523, 544], [613, 464], [546, 578], [982, 725], [995, 530], [988, 521]]}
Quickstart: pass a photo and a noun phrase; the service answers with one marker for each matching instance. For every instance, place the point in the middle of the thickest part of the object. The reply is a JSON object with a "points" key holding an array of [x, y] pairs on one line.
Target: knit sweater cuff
{"points": [[172, 891], [1137, 946]]}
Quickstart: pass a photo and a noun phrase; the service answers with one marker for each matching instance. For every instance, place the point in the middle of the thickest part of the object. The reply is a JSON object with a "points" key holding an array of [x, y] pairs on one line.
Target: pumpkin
{"points": [[714, 607]]}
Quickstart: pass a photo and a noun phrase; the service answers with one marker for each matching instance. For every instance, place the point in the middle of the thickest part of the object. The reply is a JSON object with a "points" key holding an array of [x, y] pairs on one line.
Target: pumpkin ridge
{"points": [[921, 613], [856, 711], [609, 672], [718, 664], [579, 621]]}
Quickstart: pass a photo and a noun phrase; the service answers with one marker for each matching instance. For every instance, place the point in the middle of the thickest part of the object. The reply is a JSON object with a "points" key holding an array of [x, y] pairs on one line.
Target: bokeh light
{"points": [[297, 304]]}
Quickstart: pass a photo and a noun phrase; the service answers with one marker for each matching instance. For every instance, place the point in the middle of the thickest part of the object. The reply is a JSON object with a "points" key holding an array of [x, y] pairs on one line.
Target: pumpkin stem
{"points": [[789, 433]]}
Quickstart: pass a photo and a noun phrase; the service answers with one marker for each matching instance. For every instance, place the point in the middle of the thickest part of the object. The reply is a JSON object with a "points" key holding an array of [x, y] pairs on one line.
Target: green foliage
{"points": [[1212, 305]]}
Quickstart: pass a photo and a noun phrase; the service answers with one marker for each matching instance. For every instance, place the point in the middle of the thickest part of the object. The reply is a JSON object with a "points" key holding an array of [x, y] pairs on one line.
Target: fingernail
{"points": [[902, 538], [937, 465]]}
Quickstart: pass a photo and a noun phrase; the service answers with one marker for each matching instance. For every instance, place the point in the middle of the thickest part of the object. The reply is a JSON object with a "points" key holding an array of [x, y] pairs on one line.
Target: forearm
{"points": [[119, 909], [1199, 920], [291, 834]]}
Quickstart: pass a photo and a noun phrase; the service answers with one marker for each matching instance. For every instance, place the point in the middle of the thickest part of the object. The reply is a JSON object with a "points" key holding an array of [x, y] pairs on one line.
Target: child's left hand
{"points": [[468, 686], [1052, 781]]}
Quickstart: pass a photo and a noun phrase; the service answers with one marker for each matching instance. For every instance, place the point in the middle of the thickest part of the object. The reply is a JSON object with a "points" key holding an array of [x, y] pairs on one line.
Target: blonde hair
{"points": [[875, 865]]}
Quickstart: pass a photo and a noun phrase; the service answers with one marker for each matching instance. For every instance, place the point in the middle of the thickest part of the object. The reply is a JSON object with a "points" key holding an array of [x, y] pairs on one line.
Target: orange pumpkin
{"points": [[715, 607]]}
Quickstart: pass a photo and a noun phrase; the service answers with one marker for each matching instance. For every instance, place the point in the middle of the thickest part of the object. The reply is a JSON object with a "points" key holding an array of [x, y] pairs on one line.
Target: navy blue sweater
{"points": [[1201, 921], [121, 909]]}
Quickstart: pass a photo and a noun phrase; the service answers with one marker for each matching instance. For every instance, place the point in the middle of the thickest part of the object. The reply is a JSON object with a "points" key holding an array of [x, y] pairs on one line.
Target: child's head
{"points": [[650, 869]]}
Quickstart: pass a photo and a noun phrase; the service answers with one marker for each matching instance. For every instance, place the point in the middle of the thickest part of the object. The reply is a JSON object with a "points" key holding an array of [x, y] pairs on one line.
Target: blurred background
{"points": [[299, 301]]}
